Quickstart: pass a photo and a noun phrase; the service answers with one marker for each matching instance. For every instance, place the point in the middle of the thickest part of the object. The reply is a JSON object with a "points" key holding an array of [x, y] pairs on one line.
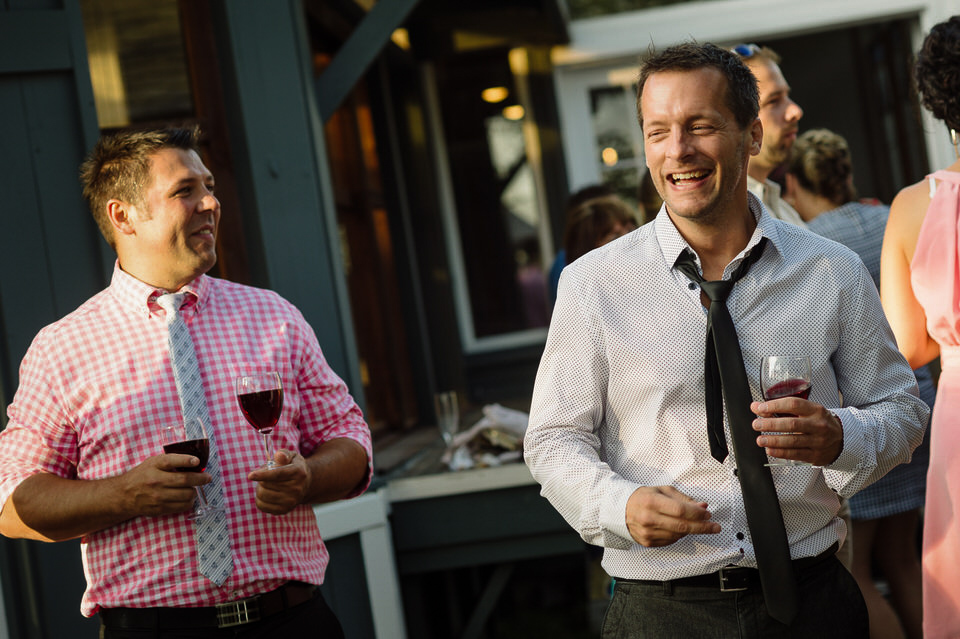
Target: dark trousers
{"points": [[831, 606], [311, 619]]}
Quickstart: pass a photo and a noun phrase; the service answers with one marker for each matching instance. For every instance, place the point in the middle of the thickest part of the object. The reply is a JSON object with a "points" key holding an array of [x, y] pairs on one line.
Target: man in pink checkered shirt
{"points": [[82, 453]]}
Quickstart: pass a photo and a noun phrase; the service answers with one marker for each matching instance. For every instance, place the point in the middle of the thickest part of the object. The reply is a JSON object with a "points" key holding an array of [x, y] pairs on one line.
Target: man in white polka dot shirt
{"points": [[618, 427]]}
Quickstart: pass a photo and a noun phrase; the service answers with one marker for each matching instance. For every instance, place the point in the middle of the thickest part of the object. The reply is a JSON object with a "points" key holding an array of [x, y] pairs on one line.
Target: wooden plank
{"points": [[32, 41], [73, 242], [282, 173], [25, 292], [443, 522]]}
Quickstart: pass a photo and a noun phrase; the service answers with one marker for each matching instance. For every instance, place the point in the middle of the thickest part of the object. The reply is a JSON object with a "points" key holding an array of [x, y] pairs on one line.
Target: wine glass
{"points": [[448, 415], [785, 376], [191, 439], [260, 396]]}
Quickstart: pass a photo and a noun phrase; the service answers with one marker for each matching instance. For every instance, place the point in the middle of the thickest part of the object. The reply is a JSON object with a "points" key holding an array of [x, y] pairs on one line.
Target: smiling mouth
{"points": [[204, 233], [687, 177]]}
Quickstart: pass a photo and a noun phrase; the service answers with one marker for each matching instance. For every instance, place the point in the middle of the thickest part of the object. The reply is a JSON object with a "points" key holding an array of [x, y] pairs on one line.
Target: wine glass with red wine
{"points": [[785, 376], [261, 399], [191, 439]]}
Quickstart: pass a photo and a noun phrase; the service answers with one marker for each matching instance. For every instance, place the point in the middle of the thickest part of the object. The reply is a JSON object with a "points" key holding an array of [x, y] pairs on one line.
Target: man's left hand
{"points": [[794, 428], [282, 488]]}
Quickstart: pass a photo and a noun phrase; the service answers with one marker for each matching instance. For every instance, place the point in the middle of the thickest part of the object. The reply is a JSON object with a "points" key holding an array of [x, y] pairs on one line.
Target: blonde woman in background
{"points": [[920, 289]]}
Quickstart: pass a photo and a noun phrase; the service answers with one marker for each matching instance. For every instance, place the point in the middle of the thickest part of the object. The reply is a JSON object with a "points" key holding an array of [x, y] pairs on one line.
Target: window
{"points": [[496, 224]]}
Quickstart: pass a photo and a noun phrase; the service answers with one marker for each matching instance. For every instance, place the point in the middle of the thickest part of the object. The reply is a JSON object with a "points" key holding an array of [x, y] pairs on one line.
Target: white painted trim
{"points": [[349, 516], [383, 583], [628, 35], [458, 483], [367, 516]]}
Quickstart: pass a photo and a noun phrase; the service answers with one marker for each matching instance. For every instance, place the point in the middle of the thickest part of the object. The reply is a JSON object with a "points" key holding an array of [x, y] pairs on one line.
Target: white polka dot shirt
{"points": [[619, 395]]}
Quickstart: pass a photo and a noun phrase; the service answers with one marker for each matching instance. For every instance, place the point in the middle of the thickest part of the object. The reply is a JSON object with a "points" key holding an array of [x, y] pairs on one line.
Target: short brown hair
{"points": [[743, 95], [119, 165]]}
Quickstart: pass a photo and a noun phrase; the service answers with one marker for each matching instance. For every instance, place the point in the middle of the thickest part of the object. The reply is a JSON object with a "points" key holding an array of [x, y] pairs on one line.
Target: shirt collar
{"points": [[141, 297], [672, 243]]}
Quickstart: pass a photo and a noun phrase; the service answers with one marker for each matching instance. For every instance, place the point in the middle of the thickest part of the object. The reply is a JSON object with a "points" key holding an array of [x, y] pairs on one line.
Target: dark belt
{"points": [[734, 578], [233, 613]]}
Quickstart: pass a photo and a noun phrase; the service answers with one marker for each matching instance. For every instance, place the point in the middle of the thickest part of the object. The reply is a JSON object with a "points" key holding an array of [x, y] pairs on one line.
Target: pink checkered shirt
{"points": [[95, 388]]}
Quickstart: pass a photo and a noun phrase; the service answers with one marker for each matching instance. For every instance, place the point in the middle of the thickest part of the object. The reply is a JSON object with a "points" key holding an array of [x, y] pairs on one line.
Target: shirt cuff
{"points": [[613, 516], [854, 447]]}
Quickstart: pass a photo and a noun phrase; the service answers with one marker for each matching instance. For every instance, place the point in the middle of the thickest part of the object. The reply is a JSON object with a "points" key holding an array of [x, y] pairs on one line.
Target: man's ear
{"points": [[120, 214], [756, 136]]}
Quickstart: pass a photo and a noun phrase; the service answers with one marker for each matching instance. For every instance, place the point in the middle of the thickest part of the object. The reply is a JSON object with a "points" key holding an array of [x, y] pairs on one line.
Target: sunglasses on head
{"points": [[746, 51]]}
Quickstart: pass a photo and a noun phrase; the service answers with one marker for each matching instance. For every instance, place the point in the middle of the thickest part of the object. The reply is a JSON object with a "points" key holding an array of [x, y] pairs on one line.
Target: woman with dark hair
{"points": [[885, 515], [920, 287], [595, 215], [595, 222]]}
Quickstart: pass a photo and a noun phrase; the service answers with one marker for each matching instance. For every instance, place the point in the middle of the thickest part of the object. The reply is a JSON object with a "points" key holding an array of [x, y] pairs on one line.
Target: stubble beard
{"points": [[715, 211]]}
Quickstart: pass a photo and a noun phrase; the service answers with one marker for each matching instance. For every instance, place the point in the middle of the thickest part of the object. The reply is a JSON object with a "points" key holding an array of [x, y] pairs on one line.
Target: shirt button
{"points": [[691, 286], [736, 473], [740, 536]]}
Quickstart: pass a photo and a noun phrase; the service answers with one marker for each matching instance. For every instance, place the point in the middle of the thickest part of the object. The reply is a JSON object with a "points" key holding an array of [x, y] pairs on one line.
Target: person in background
{"points": [[594, 223], [82, 455], [577, 198], [618, 434], [919, 285], [780, 116], [886, 515], [648, 200]]}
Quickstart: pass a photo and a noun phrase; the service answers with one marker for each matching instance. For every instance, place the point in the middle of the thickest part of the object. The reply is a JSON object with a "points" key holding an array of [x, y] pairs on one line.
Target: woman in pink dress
{"points": [[920, 287]]}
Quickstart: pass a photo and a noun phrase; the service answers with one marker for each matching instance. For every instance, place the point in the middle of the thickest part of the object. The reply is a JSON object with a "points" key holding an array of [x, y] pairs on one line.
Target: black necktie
{"points": [[724, 368]]}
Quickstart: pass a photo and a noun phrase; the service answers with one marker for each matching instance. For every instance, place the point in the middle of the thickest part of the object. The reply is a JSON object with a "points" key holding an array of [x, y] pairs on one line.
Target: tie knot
{"points": [[171, 303], [718, 290]]}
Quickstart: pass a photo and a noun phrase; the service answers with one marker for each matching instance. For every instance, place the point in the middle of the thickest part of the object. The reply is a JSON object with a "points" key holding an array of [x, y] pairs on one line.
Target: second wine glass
{"points": [[260, 396], [785, 376], [448, 415], [191, 438]]}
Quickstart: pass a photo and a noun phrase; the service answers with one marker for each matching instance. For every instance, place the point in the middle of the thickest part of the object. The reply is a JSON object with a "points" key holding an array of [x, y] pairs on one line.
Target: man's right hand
{"points": [[661, 515], [51, 508], [156, 486]]}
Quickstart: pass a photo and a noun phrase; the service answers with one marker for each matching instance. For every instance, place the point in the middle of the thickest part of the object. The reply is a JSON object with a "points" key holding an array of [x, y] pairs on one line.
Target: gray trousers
{"points": [[831, 606]]}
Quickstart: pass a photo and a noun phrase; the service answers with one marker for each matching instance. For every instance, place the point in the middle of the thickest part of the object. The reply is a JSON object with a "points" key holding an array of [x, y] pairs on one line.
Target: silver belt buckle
{"points": [[238, 613], [730, 581]]}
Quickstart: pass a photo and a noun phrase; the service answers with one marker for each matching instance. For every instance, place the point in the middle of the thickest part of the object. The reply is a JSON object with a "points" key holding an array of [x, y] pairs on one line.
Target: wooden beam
{"points": [[358, 52]]}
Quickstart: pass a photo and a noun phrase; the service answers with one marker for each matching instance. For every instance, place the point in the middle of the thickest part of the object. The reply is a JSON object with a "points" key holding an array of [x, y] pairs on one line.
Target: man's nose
{"points": [[209, 202], [679, 145], [794, 112]]}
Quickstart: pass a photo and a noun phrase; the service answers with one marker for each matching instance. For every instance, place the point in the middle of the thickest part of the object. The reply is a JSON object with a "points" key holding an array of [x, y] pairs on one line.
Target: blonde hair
{"points": [[820, 160]]}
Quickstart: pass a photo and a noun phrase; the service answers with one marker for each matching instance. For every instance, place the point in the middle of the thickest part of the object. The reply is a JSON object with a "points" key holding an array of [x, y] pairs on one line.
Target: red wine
{"points": [[788, 388], [262, 409], [199, 448]]}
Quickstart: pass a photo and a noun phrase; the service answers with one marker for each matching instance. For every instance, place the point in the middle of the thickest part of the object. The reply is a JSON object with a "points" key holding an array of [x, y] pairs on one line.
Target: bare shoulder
{"points": [[910, 204], [907, 211]]}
